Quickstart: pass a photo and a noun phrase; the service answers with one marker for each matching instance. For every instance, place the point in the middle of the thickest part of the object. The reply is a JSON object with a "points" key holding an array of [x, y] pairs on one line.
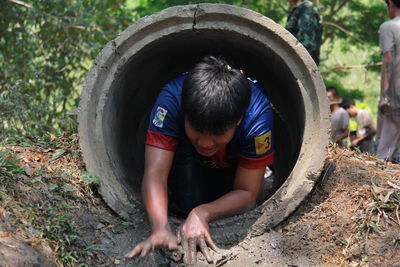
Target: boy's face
{"points": [[352, 111], [331, 97], [390, 9], [206, 144], [333, 100]]}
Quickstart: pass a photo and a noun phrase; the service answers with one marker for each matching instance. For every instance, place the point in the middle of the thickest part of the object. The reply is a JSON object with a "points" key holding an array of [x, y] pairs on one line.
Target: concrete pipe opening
{"points": [[128, 74]]}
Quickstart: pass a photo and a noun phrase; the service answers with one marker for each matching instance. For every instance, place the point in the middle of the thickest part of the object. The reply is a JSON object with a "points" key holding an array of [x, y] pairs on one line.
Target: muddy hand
{"points": [[161, 238], [192, 235], [189, 246]]}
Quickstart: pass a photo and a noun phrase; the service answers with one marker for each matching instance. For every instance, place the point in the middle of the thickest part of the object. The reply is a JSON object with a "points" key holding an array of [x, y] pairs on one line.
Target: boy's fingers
{"points": [[178, 236], [172, 244], [211, 243], [135, 251], [186, 250], [146, 249], [204, 249], [193, 250]]}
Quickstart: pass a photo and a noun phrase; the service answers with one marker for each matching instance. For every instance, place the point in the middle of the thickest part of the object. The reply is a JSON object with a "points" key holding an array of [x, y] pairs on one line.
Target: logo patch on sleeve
{"points": [[263, 143], [159, 117]]}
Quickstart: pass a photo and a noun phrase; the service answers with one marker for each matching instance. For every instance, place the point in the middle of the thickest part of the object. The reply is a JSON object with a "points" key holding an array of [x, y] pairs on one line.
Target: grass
{"points": [[44, 204], [380, 211], [8, 162]]}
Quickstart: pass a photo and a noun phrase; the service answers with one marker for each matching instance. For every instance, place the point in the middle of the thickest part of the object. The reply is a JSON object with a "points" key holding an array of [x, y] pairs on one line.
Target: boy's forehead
{"points": [[205, 133], [330, 94]]}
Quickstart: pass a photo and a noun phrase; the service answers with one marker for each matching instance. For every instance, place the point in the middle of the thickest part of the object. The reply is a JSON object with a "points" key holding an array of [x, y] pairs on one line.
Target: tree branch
{"points": [[344, 30], [21, 3], [346, 68], [340, 6], [327, 36]]}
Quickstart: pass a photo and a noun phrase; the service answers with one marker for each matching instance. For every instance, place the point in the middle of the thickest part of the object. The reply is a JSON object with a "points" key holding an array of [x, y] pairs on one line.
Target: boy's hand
{"points": [[159, 238], [195, 232]]}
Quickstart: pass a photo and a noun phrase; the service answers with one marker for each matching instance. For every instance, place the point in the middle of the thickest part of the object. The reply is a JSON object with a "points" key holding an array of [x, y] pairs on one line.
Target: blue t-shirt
{"points": [[251, 146]]}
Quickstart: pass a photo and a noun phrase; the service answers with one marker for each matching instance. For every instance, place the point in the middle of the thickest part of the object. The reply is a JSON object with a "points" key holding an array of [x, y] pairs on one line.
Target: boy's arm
{"points": [[158, 163], [344, 135], [244, 194], [386, 69], [371, 131]]}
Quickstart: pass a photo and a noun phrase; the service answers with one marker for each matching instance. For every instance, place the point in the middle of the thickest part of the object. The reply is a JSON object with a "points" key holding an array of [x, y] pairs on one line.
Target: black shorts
{"points": [[192, 183]]}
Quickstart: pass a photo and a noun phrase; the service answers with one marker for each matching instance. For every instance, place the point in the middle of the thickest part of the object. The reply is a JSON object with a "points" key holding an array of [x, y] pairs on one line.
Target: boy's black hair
{"points": [[334, 91], [396, 3], [346, 103], [214, 96]]}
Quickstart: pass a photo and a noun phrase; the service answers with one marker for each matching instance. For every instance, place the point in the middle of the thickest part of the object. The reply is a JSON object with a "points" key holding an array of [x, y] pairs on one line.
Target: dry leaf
{"points": [[386, 199], [28, 170], [3, 212], [378, 189], [4, 234], [393, 185]]}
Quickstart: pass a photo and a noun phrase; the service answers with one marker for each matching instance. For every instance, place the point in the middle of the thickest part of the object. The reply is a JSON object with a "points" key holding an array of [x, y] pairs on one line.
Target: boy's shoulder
{"points": [[389, 25]]}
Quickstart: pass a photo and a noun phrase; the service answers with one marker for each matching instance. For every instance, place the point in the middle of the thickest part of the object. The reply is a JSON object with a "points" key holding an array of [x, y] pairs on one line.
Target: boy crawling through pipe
{"points": [[209, 141]]}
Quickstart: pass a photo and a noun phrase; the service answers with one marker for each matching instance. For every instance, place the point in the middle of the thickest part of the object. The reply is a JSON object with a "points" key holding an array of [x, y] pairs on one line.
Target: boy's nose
{"points": [[206, 143]]}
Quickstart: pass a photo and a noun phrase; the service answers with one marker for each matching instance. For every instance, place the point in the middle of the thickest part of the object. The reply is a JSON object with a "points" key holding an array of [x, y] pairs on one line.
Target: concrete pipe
{"points": [[127, 75]]}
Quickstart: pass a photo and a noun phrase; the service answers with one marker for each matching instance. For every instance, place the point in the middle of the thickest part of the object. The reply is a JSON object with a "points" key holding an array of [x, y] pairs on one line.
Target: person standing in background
{"points": [[305, 23], [339, 118], [389, 103]]}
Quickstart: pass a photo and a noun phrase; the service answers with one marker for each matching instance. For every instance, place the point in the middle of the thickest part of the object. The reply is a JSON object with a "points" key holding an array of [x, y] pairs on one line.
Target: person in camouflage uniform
{"points": [[305, 23]]}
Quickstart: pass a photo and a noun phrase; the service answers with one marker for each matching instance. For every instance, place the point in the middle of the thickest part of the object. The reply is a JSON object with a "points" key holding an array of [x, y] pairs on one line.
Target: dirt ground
{"points": [[51, 214]]}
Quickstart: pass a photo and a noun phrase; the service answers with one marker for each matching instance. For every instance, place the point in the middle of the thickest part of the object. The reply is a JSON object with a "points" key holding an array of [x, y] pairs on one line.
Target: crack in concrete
{"points": [[195, 18], [115, 48]]}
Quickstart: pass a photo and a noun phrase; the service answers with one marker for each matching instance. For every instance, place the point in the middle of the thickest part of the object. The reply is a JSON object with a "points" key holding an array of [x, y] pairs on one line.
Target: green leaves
{"points": [[89, 178], [9, 162], [58, 154], [46, 48]]}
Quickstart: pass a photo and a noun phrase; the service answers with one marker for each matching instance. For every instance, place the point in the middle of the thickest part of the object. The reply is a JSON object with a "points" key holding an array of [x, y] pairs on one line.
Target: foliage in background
{"points": [[274, 9], [47, 47], [350, 53]]}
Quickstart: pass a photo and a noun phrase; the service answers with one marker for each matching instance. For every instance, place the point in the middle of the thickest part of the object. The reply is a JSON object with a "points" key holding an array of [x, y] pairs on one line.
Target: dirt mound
{"points": [[351, 219], [50, 205]]}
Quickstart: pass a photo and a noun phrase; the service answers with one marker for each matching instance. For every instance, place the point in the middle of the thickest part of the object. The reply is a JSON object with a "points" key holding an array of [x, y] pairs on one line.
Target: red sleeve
{"points": [[161, 141], [256, 163]]}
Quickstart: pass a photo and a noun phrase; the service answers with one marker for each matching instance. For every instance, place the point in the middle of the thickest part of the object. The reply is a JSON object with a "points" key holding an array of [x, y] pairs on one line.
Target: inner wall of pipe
{"points": [[136, 88]]}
